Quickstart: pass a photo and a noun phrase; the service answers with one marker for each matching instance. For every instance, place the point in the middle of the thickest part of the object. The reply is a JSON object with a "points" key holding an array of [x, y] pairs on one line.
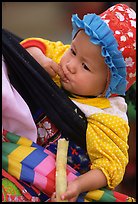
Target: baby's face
{"points": [[84, 67]]}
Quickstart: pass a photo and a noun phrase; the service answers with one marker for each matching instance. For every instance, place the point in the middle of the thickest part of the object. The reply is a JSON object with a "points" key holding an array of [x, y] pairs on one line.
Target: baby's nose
{"points": [[71, 67]]}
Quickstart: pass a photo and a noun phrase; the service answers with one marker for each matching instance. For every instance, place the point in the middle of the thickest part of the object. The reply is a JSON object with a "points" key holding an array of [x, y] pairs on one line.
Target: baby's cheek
{"points": [[65, 58]]}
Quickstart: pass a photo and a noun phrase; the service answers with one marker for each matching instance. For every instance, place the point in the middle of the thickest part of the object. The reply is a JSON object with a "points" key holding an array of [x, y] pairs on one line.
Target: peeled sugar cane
{"points": [[61, 163]]}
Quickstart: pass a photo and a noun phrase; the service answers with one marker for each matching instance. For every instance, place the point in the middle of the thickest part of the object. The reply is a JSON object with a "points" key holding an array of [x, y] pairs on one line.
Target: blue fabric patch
{"points": [[34, 158], [27, 174], [37, 146]]}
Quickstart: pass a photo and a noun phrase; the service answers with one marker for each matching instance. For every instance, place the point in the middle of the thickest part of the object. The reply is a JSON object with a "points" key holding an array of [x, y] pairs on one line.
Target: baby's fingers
{"points": [[69, 196], [53, 197], [62, 75], [53, 69]]}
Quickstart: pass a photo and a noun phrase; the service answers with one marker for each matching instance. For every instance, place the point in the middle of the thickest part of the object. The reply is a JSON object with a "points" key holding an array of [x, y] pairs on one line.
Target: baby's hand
{"points": [[53, 197], [71, 194], [48, 64], [72, 191]]}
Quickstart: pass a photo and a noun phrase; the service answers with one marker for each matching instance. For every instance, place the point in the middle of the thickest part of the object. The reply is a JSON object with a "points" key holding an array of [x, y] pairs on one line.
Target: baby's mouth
{"points": [[63, 77]]}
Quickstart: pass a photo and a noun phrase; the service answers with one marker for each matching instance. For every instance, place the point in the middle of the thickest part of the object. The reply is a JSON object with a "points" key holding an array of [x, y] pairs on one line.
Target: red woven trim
{"points": [[11, 178], [4, 136], [14, 198], [34, 43], [4, 132]]}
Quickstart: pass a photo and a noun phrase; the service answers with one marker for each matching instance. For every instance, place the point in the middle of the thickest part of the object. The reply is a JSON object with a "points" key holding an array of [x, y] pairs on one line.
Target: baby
{"points": [[95, 71]]}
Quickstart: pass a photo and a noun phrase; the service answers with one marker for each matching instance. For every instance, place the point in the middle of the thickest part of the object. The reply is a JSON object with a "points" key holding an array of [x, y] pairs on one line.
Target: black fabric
{"points": [[39, 91]]}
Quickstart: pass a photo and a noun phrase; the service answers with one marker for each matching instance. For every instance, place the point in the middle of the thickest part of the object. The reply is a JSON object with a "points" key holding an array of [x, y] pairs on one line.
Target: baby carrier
{"points": [[48, 105]]}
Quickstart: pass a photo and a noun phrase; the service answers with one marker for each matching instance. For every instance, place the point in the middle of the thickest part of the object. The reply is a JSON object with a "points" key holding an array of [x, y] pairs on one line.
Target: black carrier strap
{"points": [[39, 91]]}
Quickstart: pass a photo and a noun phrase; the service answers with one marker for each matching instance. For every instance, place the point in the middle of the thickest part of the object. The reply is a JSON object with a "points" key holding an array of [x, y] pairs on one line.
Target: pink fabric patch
{"points": [[46, 166], [71, 176], [40, 181], [44, 184]]}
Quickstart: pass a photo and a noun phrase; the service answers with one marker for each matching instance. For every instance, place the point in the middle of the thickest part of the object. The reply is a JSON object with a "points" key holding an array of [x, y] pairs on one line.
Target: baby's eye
{"points": [[73, 52], [85, 66]]}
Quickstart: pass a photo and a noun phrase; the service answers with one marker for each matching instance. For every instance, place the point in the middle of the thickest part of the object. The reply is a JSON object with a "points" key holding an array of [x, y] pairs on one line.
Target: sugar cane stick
{"points": [[61, 162]]}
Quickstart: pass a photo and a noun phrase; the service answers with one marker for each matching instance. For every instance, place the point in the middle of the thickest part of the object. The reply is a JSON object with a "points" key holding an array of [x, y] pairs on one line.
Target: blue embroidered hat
{"points": [[115, 31]]}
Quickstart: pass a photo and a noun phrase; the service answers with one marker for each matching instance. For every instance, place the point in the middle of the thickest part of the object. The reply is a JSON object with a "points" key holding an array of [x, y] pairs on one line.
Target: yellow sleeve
{"points": [[106, 138], [53, 50]]}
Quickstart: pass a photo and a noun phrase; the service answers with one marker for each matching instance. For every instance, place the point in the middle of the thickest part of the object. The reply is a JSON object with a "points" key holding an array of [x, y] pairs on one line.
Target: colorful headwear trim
{"points": [[101, 34]]}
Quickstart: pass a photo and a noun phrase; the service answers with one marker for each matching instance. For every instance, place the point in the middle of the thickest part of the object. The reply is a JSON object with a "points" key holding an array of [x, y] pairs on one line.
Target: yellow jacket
{"points": [[107, 130]]}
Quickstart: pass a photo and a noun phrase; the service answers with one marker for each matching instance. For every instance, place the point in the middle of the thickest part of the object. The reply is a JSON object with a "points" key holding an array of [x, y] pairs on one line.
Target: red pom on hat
{"points": [[121, 19]]}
